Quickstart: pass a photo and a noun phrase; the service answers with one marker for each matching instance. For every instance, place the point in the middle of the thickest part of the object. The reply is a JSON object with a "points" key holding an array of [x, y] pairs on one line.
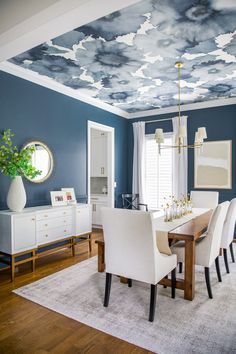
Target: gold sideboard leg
{"points": [[90, 242], [12, 268], [73, 242], [33, 261]]}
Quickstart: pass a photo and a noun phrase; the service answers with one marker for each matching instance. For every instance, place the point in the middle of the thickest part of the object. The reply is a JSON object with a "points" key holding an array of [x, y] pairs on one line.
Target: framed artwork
{"points": [[58, 198], [70, 195], [213, 165]]}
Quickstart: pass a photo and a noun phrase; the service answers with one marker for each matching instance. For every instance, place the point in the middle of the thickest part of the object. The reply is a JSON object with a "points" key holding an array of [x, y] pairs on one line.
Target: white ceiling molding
{"points": [[53, 85], [185, 107], [52, 20]]}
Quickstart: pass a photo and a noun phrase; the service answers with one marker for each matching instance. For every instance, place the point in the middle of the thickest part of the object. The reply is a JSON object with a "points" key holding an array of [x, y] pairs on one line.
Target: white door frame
{"points": [[111, 159]]}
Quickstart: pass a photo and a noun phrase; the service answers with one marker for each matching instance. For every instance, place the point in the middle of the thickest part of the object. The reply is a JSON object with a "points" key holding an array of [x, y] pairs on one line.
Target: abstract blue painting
{"points": [[126, 59]]}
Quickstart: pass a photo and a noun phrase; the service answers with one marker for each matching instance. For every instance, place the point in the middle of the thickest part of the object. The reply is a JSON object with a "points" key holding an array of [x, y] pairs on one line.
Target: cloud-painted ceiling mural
{"points": [[126, 59]]}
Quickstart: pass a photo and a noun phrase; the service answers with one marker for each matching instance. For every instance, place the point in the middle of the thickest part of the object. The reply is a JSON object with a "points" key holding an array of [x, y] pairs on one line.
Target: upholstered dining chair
{"points": [[131, 252], [204, 199], [207, 248], [228, 233]]}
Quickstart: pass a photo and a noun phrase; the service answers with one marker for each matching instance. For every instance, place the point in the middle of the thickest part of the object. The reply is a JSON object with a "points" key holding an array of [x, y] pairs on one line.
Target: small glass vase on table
{"points": [[189, 204], [169, 213], [176, 209]]}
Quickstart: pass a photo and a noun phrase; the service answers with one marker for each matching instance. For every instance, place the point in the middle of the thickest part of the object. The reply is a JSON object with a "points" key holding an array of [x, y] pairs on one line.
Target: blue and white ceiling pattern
{"points": [[126, 59]]}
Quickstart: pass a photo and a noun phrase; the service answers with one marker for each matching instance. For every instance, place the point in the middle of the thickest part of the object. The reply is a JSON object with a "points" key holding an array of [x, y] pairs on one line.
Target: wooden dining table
{"points": [[189, 232]]}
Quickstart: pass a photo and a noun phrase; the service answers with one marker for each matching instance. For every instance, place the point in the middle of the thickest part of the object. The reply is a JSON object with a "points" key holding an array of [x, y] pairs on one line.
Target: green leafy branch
{"points": [[15, 162]]}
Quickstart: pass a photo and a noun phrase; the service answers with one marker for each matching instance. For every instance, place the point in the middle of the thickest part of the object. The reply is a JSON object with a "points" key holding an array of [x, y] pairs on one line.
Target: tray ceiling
{"points": [[126, 59]]}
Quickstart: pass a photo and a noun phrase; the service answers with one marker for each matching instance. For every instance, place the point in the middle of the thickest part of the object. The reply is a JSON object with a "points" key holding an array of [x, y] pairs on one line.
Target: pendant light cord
{"points": [[179, 91]]}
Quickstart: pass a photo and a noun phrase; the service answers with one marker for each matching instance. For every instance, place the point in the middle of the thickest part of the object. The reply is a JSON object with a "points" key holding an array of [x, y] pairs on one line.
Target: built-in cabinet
{"points": [[98, 201], [99, 154], [28, 231]]}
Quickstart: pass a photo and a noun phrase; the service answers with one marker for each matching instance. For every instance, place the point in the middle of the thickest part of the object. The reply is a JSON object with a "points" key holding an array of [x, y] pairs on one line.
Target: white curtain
{"points": [[180, 162], [139, 161]]}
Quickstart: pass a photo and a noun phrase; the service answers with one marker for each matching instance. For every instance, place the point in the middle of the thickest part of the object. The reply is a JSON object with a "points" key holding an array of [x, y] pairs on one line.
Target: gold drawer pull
{"points": [[65, 230], [46, 216], [33, 219]]}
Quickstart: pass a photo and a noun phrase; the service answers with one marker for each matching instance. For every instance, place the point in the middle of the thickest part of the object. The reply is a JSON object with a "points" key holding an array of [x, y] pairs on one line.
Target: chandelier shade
{"points": [[200, 134]]}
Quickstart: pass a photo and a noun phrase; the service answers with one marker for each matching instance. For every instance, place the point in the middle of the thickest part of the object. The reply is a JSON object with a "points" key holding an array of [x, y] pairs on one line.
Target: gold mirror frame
{"points": [[37, 142]]}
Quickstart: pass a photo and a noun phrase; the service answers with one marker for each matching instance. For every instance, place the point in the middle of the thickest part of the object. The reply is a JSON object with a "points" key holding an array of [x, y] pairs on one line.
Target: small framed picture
{"points": [[58, 198], [70, 195]]}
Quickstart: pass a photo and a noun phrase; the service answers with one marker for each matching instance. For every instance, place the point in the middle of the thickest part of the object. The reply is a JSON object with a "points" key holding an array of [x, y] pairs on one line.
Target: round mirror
{"points": [[42, 160]]}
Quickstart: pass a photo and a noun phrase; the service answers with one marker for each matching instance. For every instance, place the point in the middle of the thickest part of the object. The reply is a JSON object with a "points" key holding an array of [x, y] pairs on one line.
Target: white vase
{"points": [[16, 197]]}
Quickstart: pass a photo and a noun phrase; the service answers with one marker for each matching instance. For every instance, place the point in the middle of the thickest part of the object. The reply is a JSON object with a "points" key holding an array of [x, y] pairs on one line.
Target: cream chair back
{"points": [[229, 225], [209, 247], [204, 199], [130, 244]]}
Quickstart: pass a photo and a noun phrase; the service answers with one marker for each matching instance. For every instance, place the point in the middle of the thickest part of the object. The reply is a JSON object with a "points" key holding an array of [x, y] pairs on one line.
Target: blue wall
{"points": [[220, 123], [34, 112]]}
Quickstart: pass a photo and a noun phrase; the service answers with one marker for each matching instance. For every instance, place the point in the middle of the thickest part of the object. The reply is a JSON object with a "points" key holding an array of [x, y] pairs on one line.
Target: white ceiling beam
{"points": [[47, 20]]}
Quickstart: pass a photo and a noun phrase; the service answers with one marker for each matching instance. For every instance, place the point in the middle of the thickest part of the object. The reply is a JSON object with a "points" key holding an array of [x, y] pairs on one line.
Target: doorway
{"points": [[100, 169]]}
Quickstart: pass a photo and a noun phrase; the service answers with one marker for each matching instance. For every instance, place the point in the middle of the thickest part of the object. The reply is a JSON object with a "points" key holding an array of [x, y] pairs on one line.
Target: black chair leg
{"points": [[232, 252], [173, 283], [130, 283], [226, 260], [208, 283], [152, 307], [218, 269], [107, 289], [180, 267]]}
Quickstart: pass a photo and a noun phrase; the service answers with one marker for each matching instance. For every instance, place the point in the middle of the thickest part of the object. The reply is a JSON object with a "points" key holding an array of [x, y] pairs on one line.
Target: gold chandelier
{"points": [[200, 134]]}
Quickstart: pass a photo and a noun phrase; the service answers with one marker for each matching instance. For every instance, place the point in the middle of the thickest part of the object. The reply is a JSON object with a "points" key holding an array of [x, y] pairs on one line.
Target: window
{"points": [[158, 174]]}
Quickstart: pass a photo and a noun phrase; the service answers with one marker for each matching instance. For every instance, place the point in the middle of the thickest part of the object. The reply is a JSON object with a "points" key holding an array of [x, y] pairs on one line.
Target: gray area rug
{"points": [[180, 326]]}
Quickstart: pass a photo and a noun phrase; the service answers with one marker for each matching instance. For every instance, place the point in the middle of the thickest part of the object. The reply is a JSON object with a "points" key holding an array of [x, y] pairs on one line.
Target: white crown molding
{"points": [[51, 21], [53, 85], [185, 107]]}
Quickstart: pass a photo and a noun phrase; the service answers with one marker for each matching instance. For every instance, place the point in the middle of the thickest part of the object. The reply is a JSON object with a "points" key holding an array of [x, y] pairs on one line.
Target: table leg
{"points": [[189, 280], [101, 258], [124, 280]]}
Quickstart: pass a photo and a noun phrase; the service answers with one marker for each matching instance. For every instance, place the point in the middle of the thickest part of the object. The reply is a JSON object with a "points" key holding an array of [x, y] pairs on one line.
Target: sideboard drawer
{"points": [[57, 233], [51, 214], [53, 223]]}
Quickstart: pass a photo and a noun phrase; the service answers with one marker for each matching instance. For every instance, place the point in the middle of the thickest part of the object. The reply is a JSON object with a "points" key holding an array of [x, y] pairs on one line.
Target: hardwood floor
{"points": [[27, 328]]}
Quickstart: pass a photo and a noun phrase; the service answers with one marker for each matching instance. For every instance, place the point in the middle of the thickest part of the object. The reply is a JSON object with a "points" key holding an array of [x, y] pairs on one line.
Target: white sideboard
{"points": [[33, 228]]}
